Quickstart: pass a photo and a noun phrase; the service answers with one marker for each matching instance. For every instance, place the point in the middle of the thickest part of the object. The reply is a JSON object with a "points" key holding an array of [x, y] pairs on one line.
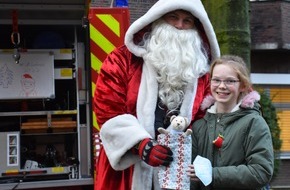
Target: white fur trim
{"points": [[118, 136], [162, 7], [188, 101], [147, 99]]}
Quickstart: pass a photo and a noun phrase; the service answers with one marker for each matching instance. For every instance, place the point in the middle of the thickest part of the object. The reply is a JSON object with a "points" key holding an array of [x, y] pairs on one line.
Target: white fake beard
{"points": [[178, 58]]}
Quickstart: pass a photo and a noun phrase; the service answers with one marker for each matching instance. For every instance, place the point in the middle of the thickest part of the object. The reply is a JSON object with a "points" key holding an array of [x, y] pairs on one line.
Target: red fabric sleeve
{"points": [[117, 85]]}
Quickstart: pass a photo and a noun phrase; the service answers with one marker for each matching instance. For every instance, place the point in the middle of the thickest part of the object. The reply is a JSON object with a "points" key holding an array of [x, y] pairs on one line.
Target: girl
{"points": [[233, 135]]}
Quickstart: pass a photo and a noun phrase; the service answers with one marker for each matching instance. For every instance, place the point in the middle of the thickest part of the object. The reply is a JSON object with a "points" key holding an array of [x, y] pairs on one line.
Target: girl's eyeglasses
{"points": [[228, 82]]}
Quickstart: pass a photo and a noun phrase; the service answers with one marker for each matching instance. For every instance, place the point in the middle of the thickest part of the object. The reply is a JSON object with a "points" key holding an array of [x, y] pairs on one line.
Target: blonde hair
{"points": [[239, 66]]}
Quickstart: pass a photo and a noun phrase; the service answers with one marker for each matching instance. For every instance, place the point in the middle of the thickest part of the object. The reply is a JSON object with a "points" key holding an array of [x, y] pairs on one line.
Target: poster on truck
{"points": [[31, 78]]}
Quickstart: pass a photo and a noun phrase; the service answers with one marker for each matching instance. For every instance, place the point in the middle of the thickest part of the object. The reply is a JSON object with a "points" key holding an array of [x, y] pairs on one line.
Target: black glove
{"points": [[153, 153]]}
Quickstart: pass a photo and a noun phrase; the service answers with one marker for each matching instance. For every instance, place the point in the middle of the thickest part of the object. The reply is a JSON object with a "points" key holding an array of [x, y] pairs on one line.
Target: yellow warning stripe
{"points": [[101, 40], [95, 63], [110, 22], [93, 88], [95, 123]]}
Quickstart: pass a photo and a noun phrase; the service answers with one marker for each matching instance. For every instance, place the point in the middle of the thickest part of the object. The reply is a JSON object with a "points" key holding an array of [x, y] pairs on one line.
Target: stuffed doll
{"points": [[178, 125]]}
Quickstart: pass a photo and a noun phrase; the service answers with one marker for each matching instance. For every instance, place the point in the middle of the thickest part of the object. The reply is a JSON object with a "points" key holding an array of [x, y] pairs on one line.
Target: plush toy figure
{"points": [[178, 125]]}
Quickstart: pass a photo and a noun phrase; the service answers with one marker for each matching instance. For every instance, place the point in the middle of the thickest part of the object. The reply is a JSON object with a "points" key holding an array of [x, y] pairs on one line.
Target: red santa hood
{"points": [[195, 7]]}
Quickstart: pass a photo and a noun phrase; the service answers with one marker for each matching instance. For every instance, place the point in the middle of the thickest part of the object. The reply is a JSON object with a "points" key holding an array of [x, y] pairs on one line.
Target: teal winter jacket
{"points": [[246, 159]]}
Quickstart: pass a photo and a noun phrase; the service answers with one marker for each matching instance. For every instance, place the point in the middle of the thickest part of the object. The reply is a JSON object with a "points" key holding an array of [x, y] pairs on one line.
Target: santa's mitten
{"points": [[154, 154]]}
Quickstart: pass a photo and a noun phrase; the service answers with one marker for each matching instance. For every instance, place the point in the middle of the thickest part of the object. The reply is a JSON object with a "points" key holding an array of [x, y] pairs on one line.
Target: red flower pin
{"points": [[218, 141]]}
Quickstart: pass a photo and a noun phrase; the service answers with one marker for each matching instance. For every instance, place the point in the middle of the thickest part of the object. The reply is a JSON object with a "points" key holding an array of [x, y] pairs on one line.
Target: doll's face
{"points": [[179, 123]]}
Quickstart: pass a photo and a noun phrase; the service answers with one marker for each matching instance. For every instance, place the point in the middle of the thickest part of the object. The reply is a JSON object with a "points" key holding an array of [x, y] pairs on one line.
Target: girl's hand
{"points": [[191, 173]]}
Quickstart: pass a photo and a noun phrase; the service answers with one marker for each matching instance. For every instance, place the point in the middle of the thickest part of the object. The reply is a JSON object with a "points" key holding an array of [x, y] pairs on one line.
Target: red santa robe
{"points": [[126, 97]]}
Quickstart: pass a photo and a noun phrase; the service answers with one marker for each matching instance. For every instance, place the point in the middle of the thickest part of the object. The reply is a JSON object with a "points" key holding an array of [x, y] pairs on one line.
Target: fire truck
{"points": [[50, 55]]}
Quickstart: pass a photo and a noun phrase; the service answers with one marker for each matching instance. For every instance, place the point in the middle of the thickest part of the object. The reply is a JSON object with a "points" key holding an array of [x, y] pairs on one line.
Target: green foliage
{"points": [[270, 115]]}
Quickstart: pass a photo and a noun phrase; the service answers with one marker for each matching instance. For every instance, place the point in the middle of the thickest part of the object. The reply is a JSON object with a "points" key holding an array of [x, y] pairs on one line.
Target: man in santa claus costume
{"points": [[160, 71]]}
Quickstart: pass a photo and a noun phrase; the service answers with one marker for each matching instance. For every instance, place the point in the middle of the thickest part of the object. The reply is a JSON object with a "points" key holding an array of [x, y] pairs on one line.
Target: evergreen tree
{"points": [[270, 115]]}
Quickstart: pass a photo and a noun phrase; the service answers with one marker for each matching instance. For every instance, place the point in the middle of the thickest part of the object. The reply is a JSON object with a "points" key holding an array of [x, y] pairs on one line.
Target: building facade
{"points": [[270, 66]]}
